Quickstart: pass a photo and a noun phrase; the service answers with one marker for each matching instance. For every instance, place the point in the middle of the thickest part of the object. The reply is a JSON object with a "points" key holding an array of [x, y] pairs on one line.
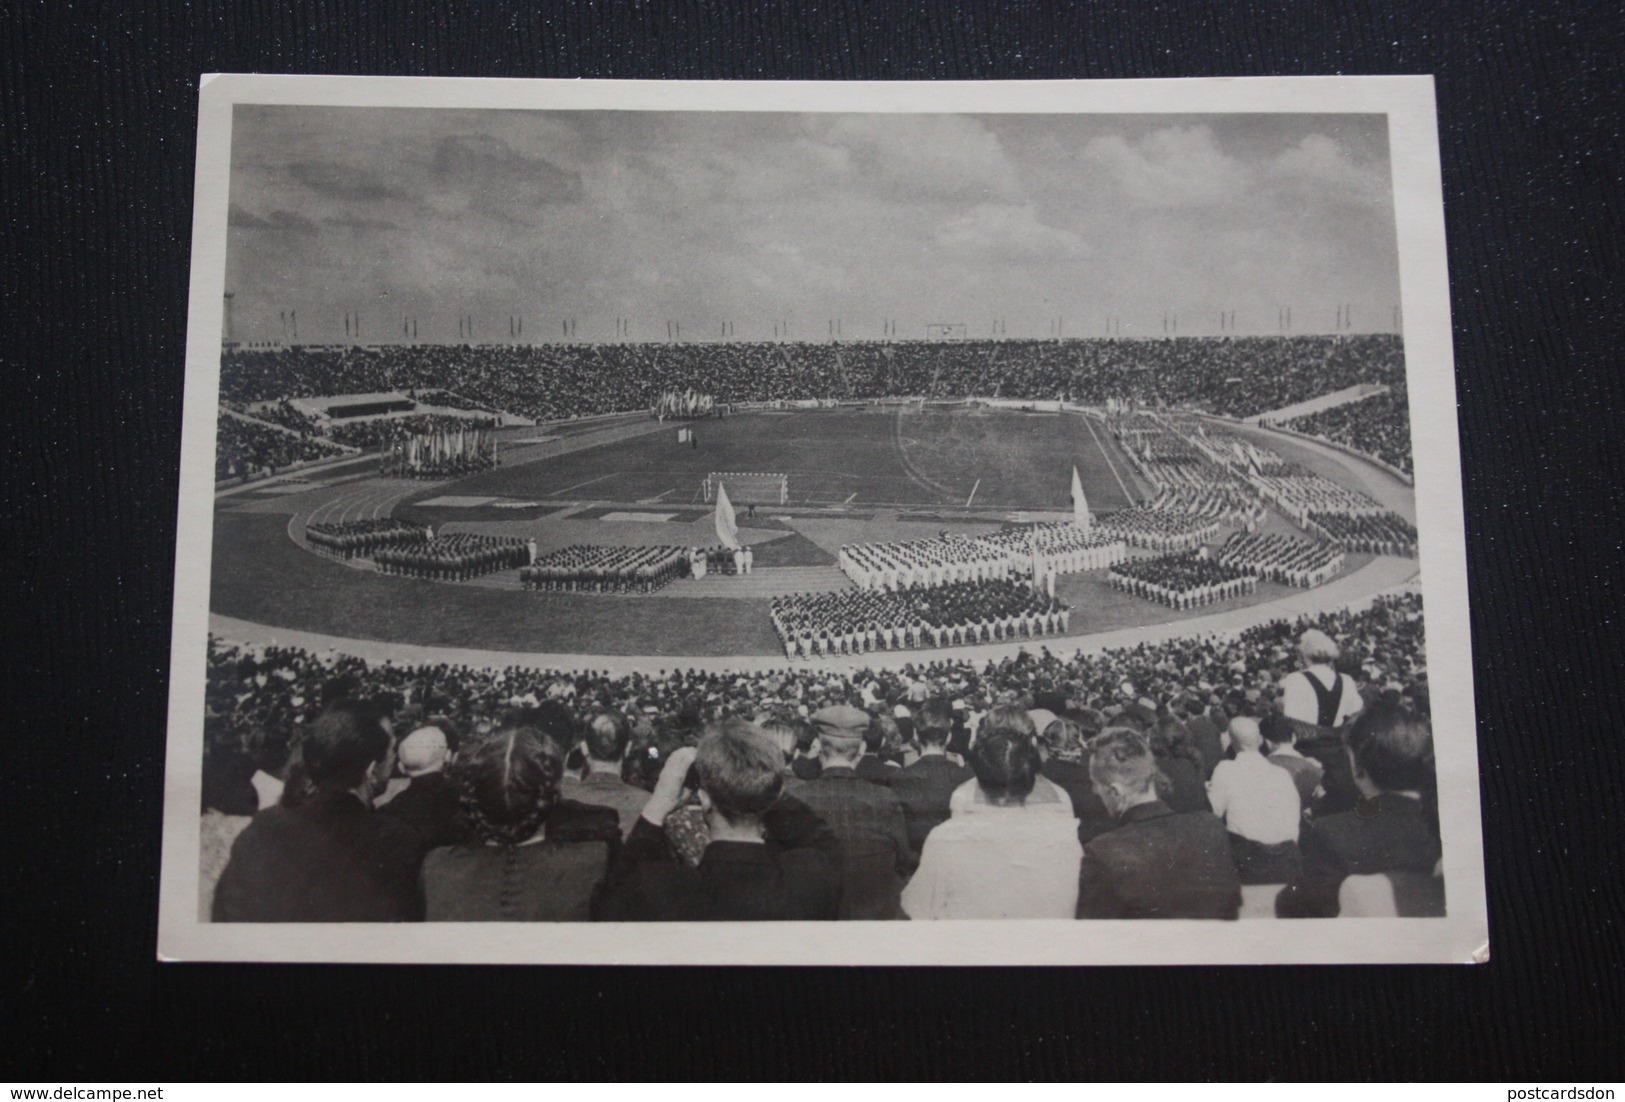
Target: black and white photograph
{"points": [[802, 524]]}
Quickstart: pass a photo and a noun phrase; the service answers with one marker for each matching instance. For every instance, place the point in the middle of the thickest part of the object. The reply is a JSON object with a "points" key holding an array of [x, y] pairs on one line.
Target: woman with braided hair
{"points": [[534, 858]]}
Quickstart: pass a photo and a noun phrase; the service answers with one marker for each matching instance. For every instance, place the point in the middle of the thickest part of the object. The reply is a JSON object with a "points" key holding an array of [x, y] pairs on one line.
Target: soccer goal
{"points": [[749, 487]]}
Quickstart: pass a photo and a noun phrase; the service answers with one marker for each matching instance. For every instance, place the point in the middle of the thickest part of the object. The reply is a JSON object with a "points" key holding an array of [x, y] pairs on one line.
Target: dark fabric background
{"points": [[97, 118]]}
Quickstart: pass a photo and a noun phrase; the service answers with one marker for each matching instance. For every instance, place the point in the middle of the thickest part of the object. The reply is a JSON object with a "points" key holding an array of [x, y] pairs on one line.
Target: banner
{"points": [[1080, 506], [727, 527]]}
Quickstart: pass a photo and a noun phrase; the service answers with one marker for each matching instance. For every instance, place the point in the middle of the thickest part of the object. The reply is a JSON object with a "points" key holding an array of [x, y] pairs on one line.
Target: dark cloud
{"points": [[342, 181], [282, 221], [356, 222], [498, 179]]}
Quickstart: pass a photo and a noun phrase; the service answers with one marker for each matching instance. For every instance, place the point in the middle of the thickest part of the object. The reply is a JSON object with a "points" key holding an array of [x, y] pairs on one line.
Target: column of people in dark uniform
{"points": [[1182, 581], [1278, 558], [869, 800], [950, 615], [597, 569], [353, 539], [454, 558]]}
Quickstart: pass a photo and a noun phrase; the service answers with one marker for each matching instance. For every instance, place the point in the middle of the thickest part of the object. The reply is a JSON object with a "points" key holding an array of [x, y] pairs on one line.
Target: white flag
{"points": [[727, 528], [1080, 506]]}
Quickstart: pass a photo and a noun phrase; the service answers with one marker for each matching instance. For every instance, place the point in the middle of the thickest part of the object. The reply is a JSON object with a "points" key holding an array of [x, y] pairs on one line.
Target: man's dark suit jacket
{"points": [[1391, 835], [924, 789], [1159, 864], [429, 806], [331, 859], [1073, 776], [874, 769], [1205, 733], [867, 820], [1326, 745], [793, 875]]}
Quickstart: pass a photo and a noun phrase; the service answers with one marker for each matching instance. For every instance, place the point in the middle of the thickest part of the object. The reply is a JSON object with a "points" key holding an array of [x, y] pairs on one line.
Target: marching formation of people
{"points": [[360, 538], [1383, 534], [683, 405], [1278, 558], [1275, 774], [721, 560], [938, 560], [1182, 581], [454, 558], [590, 568], [382, 432], [819, 625], [1300, 495], [1158, 529]]}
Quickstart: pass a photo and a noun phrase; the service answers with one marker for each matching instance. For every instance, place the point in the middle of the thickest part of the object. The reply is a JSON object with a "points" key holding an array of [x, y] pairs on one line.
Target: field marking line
{"points": [[579, 485], [657, 497], [1090, 425], [973, 490], [848, 501]]}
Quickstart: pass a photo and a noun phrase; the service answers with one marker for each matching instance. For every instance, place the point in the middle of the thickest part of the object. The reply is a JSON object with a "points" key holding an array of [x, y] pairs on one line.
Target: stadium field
{"points": [[987, 458]]}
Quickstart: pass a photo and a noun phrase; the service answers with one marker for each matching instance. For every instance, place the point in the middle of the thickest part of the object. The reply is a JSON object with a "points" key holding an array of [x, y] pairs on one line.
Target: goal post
{"points": [[749, 487]]}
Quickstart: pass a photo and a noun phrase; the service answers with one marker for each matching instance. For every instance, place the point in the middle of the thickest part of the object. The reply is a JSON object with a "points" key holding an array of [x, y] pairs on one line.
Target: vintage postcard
{"points": [[748, 523]]}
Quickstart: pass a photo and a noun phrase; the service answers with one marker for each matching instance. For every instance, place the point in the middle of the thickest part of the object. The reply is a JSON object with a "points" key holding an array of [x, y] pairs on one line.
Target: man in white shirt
{"points": [[1317, 693], [1260, 808]]}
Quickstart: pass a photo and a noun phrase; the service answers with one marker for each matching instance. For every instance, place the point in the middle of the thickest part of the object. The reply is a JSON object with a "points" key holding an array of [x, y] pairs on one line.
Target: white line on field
{"points": [[848, 501], [1089, 423], [973, 490], [578, 485]]}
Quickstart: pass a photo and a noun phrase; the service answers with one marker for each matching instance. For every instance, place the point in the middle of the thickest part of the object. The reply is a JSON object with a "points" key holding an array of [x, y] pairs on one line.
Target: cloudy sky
{"points": [[765, 218]]}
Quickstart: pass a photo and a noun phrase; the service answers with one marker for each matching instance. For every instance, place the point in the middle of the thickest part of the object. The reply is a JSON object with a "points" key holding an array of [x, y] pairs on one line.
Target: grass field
{"points": [[987, 458]]}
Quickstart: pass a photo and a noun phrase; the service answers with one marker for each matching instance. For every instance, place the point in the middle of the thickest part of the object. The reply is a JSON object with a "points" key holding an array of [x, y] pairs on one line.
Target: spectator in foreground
{"points": [[1393, 832], [744, 874], [925, 787], [1156, 863], [428, 804], [1280, 746], [866, 818], [1066, 763], [604, 745], [528, 860], [1004, 860], [1260, 808], [328, 856]]}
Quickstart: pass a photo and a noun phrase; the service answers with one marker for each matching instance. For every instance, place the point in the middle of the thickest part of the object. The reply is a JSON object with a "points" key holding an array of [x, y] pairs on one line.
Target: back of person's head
{"points": [[1006, 765], [1278, 731], [346, 741], [1063, 740], [1010, 719], [883, 737], [934, 723], [506, 782], [1316, 647], [423, 751], [1120, 759], [739, 770], [608, 735], [782, 733], [1393, 747], [1245, 733]]}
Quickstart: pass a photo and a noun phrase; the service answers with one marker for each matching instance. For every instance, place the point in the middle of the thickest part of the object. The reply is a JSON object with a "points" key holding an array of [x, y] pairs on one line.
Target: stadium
{"points": [[814, 461]]}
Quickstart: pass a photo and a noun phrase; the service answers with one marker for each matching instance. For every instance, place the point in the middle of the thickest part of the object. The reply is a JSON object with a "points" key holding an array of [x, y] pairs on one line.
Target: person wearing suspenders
{"points": [[1319, 695]]}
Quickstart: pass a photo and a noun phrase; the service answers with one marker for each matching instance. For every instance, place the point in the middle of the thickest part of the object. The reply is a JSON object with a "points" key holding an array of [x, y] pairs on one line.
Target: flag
{"points": [[727, 527], [1080, 506]]}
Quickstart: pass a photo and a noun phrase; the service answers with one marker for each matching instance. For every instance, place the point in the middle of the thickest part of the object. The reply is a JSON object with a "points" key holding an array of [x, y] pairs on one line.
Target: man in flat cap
{"points": [[867, 818]]}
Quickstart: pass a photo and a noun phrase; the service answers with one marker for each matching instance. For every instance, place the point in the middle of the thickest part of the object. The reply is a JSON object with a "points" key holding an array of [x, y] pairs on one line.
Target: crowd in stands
{"points": [[360, 538], [1278, 558], [947, 615], [454, 558], [1275, 773], [283, 413], [1239, 376], [379, 432], [1384, 534], [1158, 529], [1379, 426], [597, 569], [1182, 581], [447, 399], [250, 449]]}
